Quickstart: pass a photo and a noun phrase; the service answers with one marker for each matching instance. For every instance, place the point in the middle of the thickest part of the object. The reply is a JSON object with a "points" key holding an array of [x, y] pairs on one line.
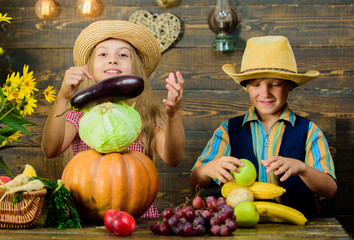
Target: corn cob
{"points": [[279, 211], [260, 190]]}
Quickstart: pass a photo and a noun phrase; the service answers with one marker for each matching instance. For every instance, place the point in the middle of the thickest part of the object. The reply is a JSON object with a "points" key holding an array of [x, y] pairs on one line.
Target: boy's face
{"points": [[111, 57], [269, 95]]}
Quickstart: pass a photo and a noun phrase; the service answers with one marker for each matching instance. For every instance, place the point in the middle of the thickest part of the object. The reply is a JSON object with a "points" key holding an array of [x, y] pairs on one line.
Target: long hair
{"points": [[146, 104]]}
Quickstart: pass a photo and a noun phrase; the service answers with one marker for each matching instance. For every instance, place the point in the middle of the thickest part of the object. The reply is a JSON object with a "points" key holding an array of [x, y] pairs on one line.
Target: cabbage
{"points": [[110, 127]]}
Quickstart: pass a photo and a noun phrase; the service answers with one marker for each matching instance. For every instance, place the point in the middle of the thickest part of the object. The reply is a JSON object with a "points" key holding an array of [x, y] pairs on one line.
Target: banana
{"points": [[276, 211]]}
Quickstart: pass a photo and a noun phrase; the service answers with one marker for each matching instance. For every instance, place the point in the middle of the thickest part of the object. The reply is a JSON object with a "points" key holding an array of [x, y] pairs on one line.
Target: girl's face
{"points": [[269, 96], [111, 57]]}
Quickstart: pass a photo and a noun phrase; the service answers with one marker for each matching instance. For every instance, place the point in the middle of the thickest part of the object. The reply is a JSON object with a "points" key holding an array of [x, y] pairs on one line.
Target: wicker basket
{"points": [[23, 214]]}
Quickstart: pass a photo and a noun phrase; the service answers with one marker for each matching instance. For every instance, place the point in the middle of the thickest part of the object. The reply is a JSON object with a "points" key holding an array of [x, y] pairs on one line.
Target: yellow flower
{"points": [[28, 85], [28, 107], [49, 94], [1, 51], [3, 18], [14, 136], [12, 85]]}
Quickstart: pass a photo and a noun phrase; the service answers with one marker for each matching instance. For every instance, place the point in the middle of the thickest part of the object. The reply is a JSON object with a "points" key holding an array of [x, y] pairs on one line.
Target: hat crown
{"points": [[269, 52]]}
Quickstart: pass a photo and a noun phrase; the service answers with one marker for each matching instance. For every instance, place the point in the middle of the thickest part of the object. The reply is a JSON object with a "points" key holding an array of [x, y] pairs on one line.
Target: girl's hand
{"points": [[72, 79], [219, 168], [288, 166], [175, 92]]}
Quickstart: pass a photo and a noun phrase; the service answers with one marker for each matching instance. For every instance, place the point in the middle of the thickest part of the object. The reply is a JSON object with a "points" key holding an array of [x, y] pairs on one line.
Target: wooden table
{"points": [[324, 228]]}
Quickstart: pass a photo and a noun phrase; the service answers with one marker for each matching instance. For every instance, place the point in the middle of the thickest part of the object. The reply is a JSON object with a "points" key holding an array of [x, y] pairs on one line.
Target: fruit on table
{"points": [[246, 214], [215, 218], [119, 222], [247, 175], [260, 190], [239, 195], [127, 181], [4, 179], [29, 171], [280, 212]]}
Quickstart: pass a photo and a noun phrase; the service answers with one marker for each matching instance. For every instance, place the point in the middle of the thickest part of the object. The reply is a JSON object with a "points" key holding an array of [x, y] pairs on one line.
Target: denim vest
{"points": [[297, 194]]}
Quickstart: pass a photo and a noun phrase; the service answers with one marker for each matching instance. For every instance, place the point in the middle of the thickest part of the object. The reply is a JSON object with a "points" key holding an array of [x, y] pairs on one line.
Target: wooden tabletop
{"points": [[324, 228]]}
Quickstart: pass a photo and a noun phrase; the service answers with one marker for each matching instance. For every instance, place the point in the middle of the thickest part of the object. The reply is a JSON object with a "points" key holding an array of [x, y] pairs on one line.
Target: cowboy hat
{"points": [[140, 38], [268, 57]]}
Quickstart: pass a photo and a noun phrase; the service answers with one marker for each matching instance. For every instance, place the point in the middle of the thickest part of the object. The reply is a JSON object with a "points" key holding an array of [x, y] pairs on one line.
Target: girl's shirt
{"points": [[267, 144], [78, 145]]}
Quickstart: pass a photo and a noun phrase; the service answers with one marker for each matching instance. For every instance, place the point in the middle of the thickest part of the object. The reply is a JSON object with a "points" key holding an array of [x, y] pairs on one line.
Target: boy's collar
{"points": [[287, 115]]}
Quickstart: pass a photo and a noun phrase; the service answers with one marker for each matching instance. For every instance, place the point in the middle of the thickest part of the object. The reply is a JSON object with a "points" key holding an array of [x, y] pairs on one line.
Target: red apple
{"points": [[107, 219], [123, 224], [5, 179]]}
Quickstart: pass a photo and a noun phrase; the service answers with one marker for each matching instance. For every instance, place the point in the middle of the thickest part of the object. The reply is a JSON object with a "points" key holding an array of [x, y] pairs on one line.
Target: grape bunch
{"points": [[210, 216]]}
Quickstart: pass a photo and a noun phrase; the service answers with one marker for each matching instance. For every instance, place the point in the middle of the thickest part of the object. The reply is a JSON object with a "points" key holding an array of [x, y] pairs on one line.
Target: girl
{"points": [[286, 149], [110, 48]]}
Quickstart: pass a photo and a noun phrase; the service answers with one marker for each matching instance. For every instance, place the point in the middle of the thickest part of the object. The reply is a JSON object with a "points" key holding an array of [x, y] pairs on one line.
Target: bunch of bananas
{"points": [[269, 211]]}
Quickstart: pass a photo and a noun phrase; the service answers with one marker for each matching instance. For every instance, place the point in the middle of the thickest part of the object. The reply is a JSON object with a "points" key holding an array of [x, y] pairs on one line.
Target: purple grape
{"points": [[164, 229], [199, 230], [198, 202], [221, 201], [190, 215], [231, 224], [224, 230], [178, 230], [211, 203], [198, 221], [222, 217], [214, 230], [188, 229], [155, 228], [214, 221], [173, 221], [228, 210], [206, 214], [167, 213]]}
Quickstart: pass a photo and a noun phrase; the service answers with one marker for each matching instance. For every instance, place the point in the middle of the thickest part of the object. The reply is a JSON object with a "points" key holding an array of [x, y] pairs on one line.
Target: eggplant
{"points": [[113, 89]]}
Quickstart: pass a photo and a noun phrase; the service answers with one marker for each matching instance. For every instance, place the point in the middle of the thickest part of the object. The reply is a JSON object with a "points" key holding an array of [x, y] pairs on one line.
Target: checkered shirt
{"points": [[78, 145]]}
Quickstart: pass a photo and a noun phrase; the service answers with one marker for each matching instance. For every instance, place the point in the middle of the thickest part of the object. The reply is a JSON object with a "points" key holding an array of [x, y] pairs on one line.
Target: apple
{"points": [[123, 224], [247, 175], [246, 214], [5, 179], [107, 219]]}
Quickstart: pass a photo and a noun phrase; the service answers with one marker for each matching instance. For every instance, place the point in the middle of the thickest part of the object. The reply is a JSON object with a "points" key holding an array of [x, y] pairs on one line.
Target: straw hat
{"points": [[139, 37], [268, 57]]}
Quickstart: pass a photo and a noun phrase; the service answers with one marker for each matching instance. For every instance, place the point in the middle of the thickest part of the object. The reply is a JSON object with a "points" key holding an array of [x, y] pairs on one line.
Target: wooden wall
{"points": [[320, 31]]}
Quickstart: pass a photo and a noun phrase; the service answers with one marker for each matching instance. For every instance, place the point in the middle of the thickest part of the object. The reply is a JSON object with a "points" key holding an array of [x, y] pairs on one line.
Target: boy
{"points": [[286, 149]]}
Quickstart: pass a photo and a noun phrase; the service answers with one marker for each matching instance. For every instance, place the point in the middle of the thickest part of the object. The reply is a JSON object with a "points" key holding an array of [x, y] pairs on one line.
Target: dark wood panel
{"points": [[314, 25], [201, 67]]}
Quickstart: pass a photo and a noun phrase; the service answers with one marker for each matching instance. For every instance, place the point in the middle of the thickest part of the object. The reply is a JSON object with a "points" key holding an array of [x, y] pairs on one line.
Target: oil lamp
{"points": [[222, 21]]}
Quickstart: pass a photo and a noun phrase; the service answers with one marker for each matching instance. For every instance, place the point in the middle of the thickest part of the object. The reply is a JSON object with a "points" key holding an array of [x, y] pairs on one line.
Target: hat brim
{"points": [[240, 78], [139, 37]]}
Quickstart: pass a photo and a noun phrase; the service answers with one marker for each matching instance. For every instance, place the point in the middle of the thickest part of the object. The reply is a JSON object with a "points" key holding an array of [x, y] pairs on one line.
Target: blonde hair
{"points": [[147, 105]]}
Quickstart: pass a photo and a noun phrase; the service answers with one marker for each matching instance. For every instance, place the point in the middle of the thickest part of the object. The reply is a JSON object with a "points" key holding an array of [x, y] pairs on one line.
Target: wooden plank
{"points": [[201, 67], [304, 25]]}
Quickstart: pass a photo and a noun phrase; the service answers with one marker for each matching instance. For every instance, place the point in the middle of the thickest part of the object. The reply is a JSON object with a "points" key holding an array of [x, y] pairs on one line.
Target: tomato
{"points": [[107, 219], [5, 179], [123, 224]]}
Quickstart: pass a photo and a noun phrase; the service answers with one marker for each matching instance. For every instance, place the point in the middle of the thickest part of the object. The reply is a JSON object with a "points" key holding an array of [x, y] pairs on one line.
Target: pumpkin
{"points": [[125, 181]]}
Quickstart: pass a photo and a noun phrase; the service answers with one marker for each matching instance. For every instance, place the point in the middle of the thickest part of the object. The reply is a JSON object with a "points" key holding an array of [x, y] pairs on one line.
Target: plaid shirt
{"points": [[78, 145]]}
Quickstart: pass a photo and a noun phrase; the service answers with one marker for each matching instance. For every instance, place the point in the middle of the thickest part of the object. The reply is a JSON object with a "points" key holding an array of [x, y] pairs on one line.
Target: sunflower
{"points": [[28, 85], [28, 106], [49, 94], [4, 18], [13, 137]]}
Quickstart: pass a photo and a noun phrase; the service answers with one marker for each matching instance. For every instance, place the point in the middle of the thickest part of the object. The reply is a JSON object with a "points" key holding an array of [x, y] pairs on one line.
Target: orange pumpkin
{"points": [[125, 181]]}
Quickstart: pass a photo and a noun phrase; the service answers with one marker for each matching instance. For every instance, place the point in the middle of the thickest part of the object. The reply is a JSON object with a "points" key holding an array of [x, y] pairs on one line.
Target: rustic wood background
{"points": [[320, 31]]}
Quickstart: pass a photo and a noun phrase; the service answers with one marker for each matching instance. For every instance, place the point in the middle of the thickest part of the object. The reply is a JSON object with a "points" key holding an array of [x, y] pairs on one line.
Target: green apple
{"points": [[247, 174], [246, 214]]}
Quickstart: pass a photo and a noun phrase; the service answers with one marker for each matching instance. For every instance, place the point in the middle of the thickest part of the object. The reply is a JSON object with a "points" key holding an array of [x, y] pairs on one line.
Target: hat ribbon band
{"points": [[268, 69]]}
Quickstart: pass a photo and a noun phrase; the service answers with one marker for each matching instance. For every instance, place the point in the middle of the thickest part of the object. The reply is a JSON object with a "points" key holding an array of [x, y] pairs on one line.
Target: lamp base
{"points": [[224, 43]]}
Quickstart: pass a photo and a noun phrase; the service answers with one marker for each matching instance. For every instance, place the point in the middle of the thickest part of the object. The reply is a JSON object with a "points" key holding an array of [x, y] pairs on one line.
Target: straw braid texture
{"points": [[139, 37]]}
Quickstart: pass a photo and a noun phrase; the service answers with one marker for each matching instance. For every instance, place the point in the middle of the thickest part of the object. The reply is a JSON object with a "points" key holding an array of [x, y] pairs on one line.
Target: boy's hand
{"points": [[72, 79], [175, 92], [219, 168], [288, 166]]}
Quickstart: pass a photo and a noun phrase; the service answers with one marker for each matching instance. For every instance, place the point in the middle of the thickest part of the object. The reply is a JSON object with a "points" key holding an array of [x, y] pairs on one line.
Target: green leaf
{"points": [[12, 122], [4, 166]]}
